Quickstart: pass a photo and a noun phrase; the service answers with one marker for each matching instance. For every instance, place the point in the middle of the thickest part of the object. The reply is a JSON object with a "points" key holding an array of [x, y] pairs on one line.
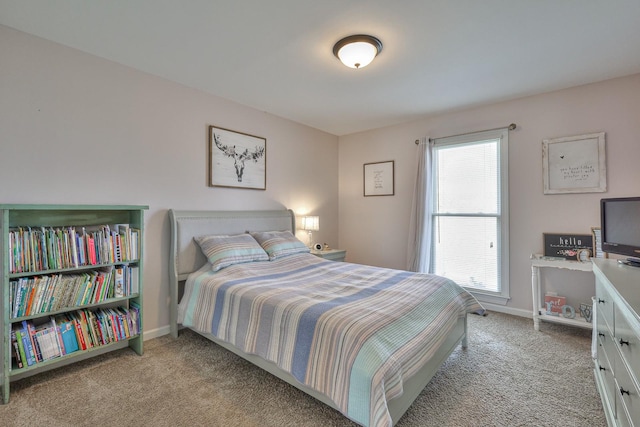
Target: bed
{"points": [[371, 381]]}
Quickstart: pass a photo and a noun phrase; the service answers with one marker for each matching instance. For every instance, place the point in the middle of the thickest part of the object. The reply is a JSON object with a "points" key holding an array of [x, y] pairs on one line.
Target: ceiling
{"points": [[276, 55]]}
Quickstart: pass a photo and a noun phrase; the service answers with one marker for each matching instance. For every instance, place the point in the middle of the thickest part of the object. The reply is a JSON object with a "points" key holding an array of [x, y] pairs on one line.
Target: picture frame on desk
{"points": [[568, 246]]}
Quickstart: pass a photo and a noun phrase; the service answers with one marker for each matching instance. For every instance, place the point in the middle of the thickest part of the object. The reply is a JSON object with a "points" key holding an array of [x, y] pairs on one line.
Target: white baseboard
{"points": [[508, 310], [155, 333]]}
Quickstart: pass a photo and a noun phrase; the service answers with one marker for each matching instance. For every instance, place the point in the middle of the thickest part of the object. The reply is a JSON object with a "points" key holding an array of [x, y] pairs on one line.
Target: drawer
{"points": [[605, 370], [608, 346], [604, 305], [623, 420], [628, 341], [627, 396], [601, 323], [627, 400]]}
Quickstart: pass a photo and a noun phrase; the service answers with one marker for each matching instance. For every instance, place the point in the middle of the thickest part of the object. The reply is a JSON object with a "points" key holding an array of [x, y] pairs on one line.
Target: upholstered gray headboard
{"points": [[185, 256]]}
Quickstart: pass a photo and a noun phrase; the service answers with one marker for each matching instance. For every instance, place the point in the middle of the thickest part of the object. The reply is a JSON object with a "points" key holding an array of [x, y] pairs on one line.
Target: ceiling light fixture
{"points": [[357, 51]]}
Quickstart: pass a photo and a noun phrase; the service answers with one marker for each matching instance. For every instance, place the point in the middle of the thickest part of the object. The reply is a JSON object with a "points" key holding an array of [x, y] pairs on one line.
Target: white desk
{"points": [[539, 311]]}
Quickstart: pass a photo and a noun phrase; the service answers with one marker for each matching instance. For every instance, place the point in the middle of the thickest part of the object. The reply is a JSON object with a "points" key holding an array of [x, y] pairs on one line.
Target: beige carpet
{"points": [[509, 376]]}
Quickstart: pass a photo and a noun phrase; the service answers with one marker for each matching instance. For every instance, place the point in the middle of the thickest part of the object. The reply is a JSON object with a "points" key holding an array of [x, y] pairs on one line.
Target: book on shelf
{"points": [[119, 281], [124, 232], [21, 345], [67, 333], [81, 325], [48, 248], [58, 335], [34, 344], [134, 276], [17, 350], [134, 311], [42, 294], [29, 332], [38, 341], [46, 338], [26, 343], [91, 250]]}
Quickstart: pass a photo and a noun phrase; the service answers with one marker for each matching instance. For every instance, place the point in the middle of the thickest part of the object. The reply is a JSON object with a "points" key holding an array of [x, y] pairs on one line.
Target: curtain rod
{"points": [[512, 126]]}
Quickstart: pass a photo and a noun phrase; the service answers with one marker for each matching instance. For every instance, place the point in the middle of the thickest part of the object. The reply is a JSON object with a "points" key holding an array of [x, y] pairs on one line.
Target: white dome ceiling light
{"points": [[357, 51]]}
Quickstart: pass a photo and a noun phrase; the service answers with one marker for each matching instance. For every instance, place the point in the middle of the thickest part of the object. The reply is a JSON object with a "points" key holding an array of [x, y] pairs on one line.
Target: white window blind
{"points": [[470, 219]]}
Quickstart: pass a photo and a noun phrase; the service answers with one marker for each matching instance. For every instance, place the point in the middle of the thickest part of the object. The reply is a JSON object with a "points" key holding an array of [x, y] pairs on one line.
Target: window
{"points": [[470, 241]]}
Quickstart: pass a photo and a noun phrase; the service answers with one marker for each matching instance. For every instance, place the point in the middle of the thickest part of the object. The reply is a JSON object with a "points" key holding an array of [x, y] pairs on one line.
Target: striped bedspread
{"points": [[349, 331]]}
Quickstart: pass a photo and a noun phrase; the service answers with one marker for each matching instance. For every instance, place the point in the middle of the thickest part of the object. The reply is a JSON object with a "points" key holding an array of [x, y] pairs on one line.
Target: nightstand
{"points": [[331, 254]]}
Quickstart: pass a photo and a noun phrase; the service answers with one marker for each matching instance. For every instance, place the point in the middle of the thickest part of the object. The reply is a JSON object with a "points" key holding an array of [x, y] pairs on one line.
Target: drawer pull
{"points": [[600, 334], [601, 301], [623, 342], [623, 392], [601, 368]]}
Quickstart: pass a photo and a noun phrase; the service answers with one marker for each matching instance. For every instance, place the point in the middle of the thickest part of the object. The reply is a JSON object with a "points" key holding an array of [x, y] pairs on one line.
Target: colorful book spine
{"points": [[27, 344], [68, 334], [18, 350]]}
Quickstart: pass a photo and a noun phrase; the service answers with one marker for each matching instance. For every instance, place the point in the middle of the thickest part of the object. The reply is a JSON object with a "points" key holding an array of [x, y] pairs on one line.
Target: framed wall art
{"points": [[378, 179], [574, 164], [236, 159]]}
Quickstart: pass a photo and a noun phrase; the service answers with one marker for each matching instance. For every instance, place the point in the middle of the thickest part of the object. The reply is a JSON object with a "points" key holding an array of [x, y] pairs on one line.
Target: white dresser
{"points": [[617, 340]]}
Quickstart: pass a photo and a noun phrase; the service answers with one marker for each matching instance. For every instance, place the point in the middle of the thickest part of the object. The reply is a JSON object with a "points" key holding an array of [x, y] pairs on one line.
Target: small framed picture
{"points": [[378, 179]]}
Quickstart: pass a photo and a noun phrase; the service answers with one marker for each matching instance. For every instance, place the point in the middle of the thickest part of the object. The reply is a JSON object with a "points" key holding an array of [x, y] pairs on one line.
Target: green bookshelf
{"points": [[101, 283]]}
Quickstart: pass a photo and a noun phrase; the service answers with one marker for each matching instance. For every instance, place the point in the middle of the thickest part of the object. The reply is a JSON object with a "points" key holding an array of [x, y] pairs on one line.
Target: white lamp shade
{"points": [[358, 54], [311, 223]]}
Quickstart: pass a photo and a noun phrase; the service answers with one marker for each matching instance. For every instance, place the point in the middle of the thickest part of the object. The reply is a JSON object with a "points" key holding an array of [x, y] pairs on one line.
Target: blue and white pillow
{"points": [[278, 244], [223, 251]]}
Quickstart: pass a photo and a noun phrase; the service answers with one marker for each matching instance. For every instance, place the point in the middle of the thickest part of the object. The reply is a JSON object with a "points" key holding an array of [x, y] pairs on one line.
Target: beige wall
{"points": [[82, 130], [374, 229]]}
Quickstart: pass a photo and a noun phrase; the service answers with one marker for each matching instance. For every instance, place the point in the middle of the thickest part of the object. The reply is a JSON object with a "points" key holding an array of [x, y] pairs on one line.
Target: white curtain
{"points": [[420, 225]]}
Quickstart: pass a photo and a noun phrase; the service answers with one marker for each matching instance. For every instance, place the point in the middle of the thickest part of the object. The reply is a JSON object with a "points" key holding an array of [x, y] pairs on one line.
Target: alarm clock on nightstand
{"points": [[317, 246]]}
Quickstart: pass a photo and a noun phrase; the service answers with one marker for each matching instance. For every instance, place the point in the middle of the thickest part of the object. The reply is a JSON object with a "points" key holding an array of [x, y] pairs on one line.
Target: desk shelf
{"points": [[539, 311]]}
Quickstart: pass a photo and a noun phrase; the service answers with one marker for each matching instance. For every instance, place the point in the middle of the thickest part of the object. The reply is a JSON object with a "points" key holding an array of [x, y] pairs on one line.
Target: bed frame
{"points": [[186, 257]]}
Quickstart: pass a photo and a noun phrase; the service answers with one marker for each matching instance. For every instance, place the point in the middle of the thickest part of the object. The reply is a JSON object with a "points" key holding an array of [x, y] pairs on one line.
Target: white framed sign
{"points": [[574, 164]]}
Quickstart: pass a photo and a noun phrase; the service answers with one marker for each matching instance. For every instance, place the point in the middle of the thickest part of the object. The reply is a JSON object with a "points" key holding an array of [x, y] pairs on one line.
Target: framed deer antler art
{"points": [[237, 159]]}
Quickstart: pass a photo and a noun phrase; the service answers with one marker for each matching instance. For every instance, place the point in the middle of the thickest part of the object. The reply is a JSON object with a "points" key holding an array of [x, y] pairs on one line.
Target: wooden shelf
{"points": [[580, 322]]}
